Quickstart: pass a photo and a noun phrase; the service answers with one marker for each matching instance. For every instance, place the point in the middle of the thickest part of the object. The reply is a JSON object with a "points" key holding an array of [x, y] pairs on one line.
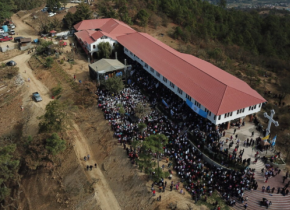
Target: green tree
{"points": [[155, 144], [104, 50], [48, 62], [8, 168], [114, 84], [251, 73], [6, 8], [141, 126], [55, 144], [83, 12], [223, 3], [53, 5], [43, 46], [57, 116], [142, 17]]}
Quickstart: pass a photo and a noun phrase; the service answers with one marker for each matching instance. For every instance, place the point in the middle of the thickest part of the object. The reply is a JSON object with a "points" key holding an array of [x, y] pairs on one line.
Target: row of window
{"points": [[207, 111], [229, 114]]}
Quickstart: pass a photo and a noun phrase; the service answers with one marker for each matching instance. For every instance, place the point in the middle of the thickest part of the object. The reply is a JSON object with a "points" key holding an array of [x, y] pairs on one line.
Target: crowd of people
{"points": [[198, 177]]}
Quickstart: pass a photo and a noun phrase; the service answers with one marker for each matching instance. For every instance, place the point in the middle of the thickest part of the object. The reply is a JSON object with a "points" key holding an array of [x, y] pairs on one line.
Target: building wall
{"points": [[210, 116], [91, 46]]}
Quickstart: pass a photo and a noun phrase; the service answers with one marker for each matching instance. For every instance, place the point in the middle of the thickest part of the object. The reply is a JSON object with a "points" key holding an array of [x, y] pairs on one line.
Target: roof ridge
{"points": [[222, 101], [182, 58], [238, 91], [247, 93]]}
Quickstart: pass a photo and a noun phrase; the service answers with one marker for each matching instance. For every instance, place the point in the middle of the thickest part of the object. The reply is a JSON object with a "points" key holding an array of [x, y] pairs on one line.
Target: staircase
{"points": [[279, 202]]}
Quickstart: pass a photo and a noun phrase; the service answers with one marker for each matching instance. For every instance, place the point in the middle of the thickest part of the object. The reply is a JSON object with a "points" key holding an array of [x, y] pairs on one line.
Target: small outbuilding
{"points": [[105, 68]]}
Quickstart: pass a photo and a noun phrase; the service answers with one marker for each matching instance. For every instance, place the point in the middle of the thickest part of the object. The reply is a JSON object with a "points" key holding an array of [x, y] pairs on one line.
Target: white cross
{"points": [[271, 120]]}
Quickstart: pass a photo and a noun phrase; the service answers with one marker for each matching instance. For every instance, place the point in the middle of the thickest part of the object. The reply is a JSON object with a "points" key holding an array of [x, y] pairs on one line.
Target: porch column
{"points": [[228, 125], [251, 117]]}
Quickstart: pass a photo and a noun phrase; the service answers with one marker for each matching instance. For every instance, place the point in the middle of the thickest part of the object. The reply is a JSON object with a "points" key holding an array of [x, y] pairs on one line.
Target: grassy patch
{"points": [[212, 199]]}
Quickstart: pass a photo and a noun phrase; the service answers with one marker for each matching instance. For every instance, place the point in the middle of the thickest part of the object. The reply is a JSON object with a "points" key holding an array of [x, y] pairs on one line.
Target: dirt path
{"points": [[32, 109], [103, 193], [104, 196], [22, 28]]}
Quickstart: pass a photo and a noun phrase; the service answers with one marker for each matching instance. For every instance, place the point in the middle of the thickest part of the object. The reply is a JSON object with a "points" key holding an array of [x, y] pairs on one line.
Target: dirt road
{"points": [[103, 193], [104, 196], [32, 108], [22, 28]]}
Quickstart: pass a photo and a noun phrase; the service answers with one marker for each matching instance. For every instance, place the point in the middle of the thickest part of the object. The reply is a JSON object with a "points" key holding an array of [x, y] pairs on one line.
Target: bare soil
{"points": [[66, 184]]}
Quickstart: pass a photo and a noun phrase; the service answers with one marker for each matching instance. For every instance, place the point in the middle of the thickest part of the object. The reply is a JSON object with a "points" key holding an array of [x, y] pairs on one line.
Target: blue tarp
{"points": [[196, 109]]}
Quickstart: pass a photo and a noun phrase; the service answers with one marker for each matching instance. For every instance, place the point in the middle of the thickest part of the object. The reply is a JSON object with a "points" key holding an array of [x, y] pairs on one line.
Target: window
{"points": [[172, 85], [260, 105], [243, 110], [214, 117], [225, 115], [152, 70], [164, 79], [219, 117], [179, 91], [249, 108], [158, 75], [207, 111], [231, 113], [238, 111], [131, 53], [197, 104], [255, 106], [126, 49], [94, 46], [146, 66], [188, 97]]}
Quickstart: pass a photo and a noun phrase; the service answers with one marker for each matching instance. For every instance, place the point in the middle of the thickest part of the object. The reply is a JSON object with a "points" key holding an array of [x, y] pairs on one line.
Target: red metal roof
{"points": [[85, 36], [90, 24], [108, 27], [217, 90]]}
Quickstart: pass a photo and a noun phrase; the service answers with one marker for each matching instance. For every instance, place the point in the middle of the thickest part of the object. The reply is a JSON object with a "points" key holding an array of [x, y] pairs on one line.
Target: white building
{"points": [[93, 32], [207, 89]]}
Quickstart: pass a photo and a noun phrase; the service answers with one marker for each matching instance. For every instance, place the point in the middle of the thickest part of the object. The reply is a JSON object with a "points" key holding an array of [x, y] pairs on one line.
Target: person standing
{"points": [[74, 77], [96, 165], [253, 133], [235, 130], [246, 206], [88, 157]]}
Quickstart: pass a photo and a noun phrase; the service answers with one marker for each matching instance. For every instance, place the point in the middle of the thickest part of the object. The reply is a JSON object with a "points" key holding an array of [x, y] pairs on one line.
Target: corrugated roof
{"points": [[90, 24], [107, 65], [108, 27], [217, 90], [85, 36]]}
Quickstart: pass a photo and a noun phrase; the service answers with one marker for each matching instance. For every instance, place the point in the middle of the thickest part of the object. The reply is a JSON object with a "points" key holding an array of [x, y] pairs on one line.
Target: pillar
{"points": [[228, 125], [251, 117]]}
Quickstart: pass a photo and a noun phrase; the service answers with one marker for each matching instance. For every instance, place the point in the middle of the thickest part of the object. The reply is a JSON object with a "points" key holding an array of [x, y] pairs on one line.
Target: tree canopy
{"points": [[6, 8], [114, 84], [8, 168], [267, 35], [83, 12], [143, 17], [57, 116], [54, 144], [104, 50]]}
